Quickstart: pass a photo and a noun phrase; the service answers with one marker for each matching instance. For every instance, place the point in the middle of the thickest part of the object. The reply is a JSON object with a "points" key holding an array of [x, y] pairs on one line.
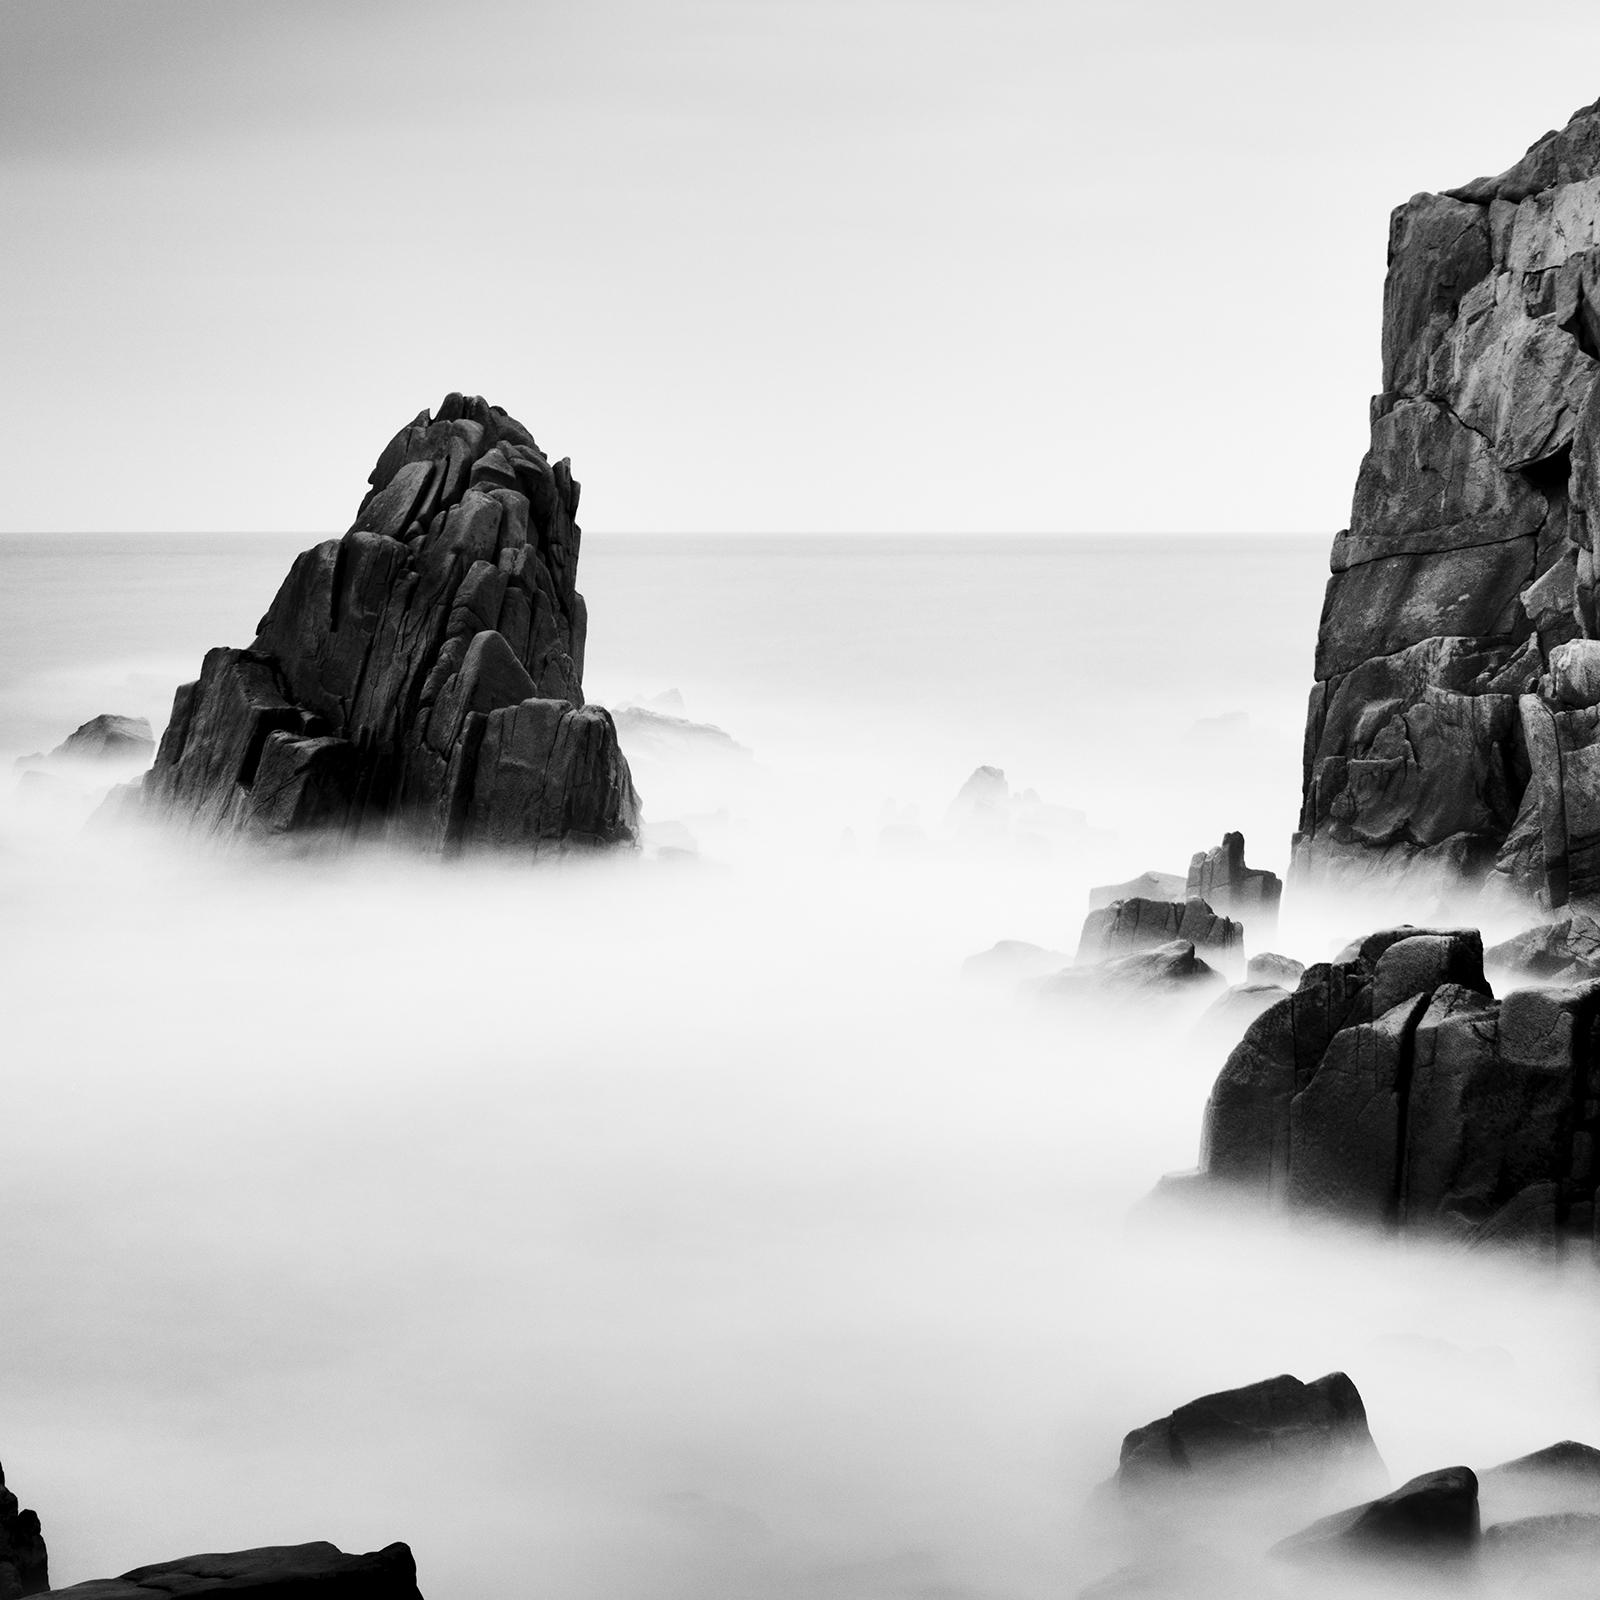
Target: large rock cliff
{"points": [[1455, 723], [421, 676]]}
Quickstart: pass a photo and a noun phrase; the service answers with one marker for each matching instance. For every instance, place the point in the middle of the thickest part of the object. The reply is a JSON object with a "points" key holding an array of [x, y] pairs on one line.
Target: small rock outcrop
{"points": [[318, 1571], [1432, 1519], [420, 677], [1268, 967], [1454, 728], [1310, 1439], [1169, 968], [1392, 1087], [1220, 877], [107, 740], [1126, 926], [1147, 886], [24, 1561]]}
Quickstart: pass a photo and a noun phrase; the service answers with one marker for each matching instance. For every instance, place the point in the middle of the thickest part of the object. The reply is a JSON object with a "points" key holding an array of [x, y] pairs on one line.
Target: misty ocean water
{"points": [[681, 1223]]}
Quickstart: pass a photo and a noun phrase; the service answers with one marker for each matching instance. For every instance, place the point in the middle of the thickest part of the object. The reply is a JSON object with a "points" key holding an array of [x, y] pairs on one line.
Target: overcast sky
{"points": [[767, 265]]}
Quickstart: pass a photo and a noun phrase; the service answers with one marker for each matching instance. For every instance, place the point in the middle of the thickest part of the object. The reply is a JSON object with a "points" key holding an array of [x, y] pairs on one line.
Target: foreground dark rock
{"points": [[1391, 1087], [1433, 1519], [1221, 878], [1455, 724], [1310, 1439], [420, 677], [24, 1561], [1125, 926], [276, 1572]]}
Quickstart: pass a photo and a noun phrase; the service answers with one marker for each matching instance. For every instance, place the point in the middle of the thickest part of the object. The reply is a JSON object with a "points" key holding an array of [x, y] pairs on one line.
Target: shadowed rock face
{"points": [[420, 677], [1455, 725], [276, 1572], [24, 1562], [1392, 1088], [1308, 1438]]}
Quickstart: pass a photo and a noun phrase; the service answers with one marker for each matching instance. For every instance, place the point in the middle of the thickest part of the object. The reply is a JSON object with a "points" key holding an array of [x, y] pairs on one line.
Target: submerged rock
{"points": [[317, 1571], [1431, 1519], [421, 676], [1308, 1440], [1562, 1478], [1013, 960], [1392, 1087], [1454, 728]]}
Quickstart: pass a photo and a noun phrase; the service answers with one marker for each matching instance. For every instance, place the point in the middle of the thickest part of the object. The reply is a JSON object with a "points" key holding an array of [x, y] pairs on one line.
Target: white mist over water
{"points": [[666, 1227]]}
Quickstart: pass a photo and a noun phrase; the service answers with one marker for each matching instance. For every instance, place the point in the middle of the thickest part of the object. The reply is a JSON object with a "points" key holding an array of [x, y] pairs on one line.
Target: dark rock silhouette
{"points": [[1392, 1087], [317, 1571], [1562, 1478], [24, 1562], [1220, 877], [1454, 728], [421, 676], [1126, 926], [1433, 1518], [1309, 1438]]}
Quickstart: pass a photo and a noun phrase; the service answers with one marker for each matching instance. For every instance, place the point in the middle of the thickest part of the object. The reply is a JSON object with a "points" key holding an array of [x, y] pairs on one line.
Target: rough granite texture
{"points": [[1392, 1088], [1454, 730], [420, 677]]}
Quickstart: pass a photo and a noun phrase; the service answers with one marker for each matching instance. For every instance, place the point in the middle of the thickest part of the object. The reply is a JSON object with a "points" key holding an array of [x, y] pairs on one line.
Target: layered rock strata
{"points": [[422, 677], [1392, 1088], [1455, 723]]}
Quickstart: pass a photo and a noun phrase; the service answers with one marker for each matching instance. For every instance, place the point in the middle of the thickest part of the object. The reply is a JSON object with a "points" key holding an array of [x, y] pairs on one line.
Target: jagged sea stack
{"points": [[422, 677], [1455, 725]]}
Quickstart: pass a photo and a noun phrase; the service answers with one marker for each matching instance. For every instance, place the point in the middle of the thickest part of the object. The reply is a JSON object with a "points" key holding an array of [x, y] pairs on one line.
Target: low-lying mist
{"points": [[682, 1224]]}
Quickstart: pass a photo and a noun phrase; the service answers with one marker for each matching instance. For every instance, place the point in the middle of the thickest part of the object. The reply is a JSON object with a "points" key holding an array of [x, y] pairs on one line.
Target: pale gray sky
{"points": [[768, 265]]}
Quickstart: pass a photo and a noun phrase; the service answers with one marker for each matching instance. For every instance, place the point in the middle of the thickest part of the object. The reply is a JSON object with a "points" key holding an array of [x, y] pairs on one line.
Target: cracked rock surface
{"points": [[1392, 1088], [1454, 729], [420, 678]]}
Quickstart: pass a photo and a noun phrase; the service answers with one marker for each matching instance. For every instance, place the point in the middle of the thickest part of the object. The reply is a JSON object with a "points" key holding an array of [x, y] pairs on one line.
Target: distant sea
{"points": [[1131, 672]]}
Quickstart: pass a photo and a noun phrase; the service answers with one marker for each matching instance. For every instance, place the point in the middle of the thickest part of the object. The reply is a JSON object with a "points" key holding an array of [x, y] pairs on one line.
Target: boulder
{"points": [[1270, 968], [1561, 1479], [1125, 926], [1432, 1519], [1392, 1087], [420, 678], [1231, 1013], [317, 1571], [1453, 733], [1221, 878], [1279, 1435]]}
